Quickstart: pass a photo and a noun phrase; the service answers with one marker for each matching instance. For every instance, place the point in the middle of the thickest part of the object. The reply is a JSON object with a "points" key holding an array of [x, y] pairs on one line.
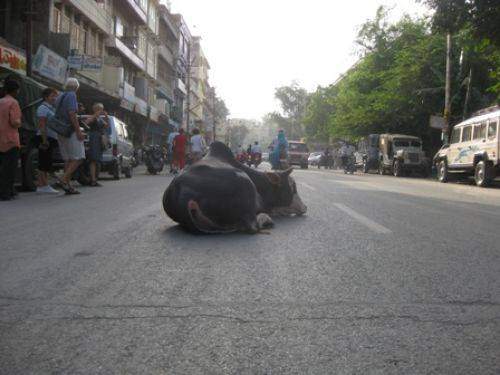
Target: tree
{"points": [[482, 15], [293, 100]]}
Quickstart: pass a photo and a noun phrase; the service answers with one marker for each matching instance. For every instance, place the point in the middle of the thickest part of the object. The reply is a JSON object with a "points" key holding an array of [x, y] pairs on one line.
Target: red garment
{"points": [[9, 112], [180, 142]]}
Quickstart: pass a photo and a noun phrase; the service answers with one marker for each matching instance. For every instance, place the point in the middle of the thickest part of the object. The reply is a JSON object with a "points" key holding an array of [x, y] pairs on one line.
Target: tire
{"points": [[30, 176], [397, 170], [116, 171], [483, 174], [443, 174], [128, 172], [83, 175], [381, 168], [365, 167]]}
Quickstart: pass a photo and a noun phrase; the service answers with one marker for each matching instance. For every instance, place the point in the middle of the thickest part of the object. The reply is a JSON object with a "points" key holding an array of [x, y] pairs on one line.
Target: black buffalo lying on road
{"points": [[220, 195]]}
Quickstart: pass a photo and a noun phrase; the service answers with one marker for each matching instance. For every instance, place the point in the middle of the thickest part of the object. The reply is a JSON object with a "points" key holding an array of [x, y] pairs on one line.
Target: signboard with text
{"points": [[49, 64], [13, 59], [84, 62]]}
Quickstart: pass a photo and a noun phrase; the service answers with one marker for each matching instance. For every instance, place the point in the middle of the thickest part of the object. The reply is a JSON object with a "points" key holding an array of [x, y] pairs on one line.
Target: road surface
{"points": [[382, 276]]}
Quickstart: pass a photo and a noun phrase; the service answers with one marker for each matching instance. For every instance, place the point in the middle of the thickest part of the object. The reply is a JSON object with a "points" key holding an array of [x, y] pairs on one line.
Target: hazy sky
{"points": [[255, 46]]}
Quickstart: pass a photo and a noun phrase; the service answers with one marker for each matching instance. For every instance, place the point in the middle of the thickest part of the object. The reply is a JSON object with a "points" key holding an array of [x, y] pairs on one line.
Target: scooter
{"points": [[154, 159]]}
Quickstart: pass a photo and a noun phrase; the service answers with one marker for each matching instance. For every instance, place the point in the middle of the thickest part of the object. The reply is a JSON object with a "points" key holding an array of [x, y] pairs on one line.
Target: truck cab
{"points": [[401, 154]]}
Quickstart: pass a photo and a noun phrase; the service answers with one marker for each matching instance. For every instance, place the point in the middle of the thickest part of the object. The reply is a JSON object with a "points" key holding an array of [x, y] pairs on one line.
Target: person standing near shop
{"points": [[72, 149], [96, 123], [47, 141], [10, 122]]}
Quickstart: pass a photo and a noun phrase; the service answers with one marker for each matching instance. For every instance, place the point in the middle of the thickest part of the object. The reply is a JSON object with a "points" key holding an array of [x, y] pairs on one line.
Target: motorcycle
{"points": [[154, 159], [242, 157], [349, 165], [326, 161]]}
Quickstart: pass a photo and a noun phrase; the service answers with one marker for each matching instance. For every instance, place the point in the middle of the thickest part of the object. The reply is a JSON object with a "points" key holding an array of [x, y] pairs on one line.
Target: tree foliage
{"points": [[399, 81], [293, 100]]}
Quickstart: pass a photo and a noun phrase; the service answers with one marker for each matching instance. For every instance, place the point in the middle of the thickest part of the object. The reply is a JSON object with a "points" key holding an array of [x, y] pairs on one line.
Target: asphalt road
{"points": [[382, 276]]}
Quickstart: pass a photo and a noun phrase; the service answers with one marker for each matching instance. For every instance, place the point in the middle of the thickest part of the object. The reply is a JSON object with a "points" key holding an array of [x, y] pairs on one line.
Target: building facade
{"points": [[132, 55]]}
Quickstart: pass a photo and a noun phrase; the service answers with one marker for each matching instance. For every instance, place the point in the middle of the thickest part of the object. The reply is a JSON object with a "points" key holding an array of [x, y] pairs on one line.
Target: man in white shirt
{"points": [[198, 145], [256, 149]]}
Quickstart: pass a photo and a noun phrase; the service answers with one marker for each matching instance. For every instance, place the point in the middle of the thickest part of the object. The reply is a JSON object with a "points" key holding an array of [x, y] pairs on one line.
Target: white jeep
{"points": [[473, 150]]}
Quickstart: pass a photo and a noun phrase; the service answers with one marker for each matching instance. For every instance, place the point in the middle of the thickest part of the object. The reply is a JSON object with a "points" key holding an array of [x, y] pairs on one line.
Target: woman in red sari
{"points": [[180, 150]]}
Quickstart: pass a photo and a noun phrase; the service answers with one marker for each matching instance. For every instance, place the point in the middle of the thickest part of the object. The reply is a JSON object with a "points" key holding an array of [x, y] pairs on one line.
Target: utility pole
{"points": [[29, 37], [188, 88], [214, 115], [447, 100], [467, 95]]}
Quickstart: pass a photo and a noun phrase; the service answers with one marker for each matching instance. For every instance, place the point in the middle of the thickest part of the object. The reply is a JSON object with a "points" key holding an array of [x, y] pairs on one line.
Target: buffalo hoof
{"points": [[264, 221]]}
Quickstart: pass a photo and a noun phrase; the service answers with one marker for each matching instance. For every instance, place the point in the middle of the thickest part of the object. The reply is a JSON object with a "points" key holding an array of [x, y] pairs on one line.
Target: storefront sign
{"points": [[13, 59], [127, 105], [49, 64], [85, 63]]}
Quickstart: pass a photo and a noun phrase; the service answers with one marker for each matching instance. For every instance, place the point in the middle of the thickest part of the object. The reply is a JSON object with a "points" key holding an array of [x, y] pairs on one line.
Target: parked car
{"points": [[298, 154], [367, 155], [118, 156], [314, 158], [474, 149], [400, 154]]}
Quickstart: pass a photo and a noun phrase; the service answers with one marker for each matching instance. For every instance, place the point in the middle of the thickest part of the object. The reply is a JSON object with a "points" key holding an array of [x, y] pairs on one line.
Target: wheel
{"points": [[83, 175], [398, 169], [116, 171], [30, 176], [483, 174], [442, 172], [128, 172], [381, 169], [365, 167]]}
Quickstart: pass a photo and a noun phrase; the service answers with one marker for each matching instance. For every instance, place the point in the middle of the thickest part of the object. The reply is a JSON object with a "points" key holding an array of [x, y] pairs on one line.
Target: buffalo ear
{"points": [[273, 178], [288, 172]]}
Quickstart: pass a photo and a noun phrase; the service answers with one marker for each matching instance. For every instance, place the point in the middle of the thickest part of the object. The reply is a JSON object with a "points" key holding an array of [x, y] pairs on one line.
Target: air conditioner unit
{"points": [[113, 78]]}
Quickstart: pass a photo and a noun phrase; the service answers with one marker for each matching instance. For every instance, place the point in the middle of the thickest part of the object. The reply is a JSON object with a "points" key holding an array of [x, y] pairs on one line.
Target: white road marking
{"points": [[377, 228], [308, 186]]}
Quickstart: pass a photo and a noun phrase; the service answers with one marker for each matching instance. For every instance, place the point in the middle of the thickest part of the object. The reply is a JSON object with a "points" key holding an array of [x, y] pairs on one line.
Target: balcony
{"points": [[126, 50], [138, 11], [166, 54], [98, 15], [181, 86]]}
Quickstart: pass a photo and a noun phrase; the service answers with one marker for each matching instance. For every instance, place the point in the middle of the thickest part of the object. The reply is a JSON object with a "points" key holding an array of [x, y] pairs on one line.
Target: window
{"points": [[401, 143], [479, 131], [416, 144], [142, 46], [492, 130], [455, 135], [466, 134]]}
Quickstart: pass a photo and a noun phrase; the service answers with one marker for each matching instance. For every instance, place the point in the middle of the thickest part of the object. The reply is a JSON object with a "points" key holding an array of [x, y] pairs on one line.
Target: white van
{"points": [[473, 150], [117, 156]]}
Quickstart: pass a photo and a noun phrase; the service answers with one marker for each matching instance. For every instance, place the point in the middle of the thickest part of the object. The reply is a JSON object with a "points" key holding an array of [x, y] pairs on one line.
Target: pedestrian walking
{"points": [[72, 149], [47, 141], [97, 125], [180, 150], [170, 144], [10, 122], [198, 145]]}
